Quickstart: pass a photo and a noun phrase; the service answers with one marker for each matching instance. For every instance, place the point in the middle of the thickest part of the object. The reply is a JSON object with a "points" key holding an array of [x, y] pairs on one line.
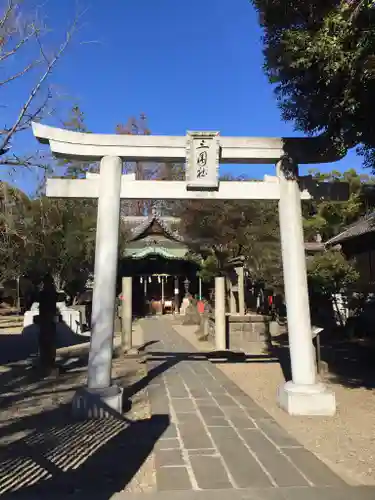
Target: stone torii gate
{"points": [[202, 151]]}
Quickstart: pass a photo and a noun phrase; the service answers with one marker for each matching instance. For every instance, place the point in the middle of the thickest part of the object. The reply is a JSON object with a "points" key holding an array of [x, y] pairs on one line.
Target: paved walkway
{"points": [[220, 439]]}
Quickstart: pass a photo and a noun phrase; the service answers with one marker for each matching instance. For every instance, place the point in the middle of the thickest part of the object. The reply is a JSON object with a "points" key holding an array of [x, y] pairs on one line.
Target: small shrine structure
{"points": [[160, 261]]}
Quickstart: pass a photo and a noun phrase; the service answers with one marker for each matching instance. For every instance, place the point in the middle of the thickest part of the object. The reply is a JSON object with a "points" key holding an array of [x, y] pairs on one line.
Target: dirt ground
{"points": [[345, 442]]}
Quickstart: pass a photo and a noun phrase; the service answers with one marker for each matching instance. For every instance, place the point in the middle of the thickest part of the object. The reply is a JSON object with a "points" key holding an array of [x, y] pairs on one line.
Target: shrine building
{"points": [[161, 263]]}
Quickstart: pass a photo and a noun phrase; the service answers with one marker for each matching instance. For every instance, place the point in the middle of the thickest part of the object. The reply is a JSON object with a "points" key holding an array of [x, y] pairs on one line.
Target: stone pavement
{"points": [[220, 439]]}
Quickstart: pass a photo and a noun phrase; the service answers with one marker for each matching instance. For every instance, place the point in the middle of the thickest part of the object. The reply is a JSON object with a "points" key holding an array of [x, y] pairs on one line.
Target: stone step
{"points": [[310, 493], [327, 493]]}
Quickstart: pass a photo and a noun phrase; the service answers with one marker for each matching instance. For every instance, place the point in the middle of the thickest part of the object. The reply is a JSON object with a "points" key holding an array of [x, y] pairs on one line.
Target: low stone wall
{"points": [[251, 333]]}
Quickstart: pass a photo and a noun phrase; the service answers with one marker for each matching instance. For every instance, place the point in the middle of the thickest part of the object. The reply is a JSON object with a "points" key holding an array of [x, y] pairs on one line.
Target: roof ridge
{"points": [[168, 230], [147, 224], [362, 219]]}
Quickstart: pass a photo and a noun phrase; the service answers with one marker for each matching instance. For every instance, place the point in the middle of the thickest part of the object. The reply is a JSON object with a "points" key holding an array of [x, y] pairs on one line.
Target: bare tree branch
{"points": [[50, 65], [27, 161], [7, 13], [41, 48], [22, 42], [32, 116], [20, 73], [16, 161]]}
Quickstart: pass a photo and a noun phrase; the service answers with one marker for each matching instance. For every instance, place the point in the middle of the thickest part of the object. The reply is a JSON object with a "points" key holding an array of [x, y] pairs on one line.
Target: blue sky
{"points": [[187, 65]]}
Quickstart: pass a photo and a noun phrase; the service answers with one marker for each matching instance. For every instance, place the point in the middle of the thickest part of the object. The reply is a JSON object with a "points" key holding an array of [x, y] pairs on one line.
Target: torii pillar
{"points": [[103, 304], [303, 395]]}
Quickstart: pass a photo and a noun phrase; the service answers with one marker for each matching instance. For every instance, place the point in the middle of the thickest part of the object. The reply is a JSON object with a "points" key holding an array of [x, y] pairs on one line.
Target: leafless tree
{"points": [[23, 51], [142, 170], [148, 171]]}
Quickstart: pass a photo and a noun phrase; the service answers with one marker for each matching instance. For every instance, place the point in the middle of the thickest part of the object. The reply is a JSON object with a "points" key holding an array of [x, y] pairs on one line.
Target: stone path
{"points": [[220, 439]]}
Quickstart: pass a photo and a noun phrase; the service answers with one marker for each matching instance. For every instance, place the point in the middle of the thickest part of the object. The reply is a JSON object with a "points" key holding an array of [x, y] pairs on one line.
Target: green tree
{"points": [[60, 242], [329, 274], [327, 218], [45, 235], [14, 223], [227, 229], [321, 56], [210, 267]]}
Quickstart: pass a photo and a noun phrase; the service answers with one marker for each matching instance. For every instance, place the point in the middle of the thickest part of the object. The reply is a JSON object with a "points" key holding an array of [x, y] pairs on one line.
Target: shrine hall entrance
{"points": [[159, 284]]}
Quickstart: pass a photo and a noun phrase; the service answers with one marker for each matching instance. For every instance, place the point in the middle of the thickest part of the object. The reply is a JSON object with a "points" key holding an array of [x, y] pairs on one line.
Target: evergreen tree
{"points": [[320, 54]]}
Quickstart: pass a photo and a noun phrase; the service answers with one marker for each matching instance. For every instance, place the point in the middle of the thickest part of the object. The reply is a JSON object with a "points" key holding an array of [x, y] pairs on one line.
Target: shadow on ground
{"points": [[161, 361], [22, 386], [17, 347], [48, 454], [348, 363], [18, 380], [21, 383], [61, 456], [351, 364], [44, 453]]}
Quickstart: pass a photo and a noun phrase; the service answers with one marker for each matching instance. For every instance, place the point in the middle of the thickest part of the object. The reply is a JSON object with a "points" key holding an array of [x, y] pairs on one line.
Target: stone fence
{"points": [[250, 333]]}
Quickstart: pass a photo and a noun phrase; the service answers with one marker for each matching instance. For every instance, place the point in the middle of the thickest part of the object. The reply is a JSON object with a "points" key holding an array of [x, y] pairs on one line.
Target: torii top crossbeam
{"points": [[245, 150]]}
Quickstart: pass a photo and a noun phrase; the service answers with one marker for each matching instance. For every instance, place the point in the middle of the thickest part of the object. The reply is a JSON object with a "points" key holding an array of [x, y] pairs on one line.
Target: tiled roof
{"points": [[146, 222], [139, 224], [363, 226], [314, 246]]}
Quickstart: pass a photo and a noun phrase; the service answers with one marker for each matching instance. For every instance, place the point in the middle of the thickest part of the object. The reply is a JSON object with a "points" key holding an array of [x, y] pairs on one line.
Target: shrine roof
{"points": [[314, 246], [364, 226], [142, 225]]}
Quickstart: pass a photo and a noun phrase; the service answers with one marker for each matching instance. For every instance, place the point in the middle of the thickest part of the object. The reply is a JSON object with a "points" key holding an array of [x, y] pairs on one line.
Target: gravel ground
{"points": [[345, 442], [41, 444]]}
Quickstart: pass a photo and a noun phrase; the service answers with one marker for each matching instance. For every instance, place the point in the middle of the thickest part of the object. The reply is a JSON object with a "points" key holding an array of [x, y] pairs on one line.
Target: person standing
{"points": [[47, 326]]}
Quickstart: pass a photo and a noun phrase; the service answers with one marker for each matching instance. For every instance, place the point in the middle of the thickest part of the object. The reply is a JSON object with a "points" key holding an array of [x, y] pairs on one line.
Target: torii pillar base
{"points": [[97, 403], [306, 400]]}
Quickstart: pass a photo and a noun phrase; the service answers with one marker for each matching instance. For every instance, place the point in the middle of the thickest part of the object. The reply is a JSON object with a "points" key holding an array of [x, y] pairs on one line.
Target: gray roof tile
{"points": [[364, 226]]}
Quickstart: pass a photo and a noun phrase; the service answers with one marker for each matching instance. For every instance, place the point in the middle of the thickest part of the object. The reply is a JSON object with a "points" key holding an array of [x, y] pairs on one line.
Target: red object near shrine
{"points": [[200, 306]]}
